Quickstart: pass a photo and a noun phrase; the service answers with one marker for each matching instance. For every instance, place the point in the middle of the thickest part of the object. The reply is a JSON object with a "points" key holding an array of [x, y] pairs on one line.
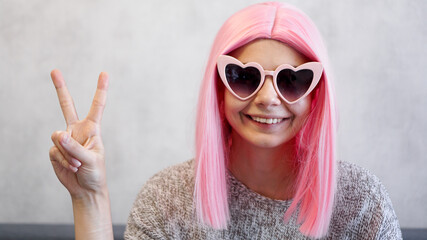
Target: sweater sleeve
{"points": [[390, 228], [364, 209]]}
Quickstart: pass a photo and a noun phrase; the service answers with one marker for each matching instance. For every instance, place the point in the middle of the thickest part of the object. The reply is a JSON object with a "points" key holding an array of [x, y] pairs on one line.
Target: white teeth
{"points": [[267, 120]]}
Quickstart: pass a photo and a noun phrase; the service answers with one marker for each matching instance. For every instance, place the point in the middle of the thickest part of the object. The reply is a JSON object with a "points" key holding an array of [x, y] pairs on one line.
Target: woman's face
{"points": [[245, 116]]}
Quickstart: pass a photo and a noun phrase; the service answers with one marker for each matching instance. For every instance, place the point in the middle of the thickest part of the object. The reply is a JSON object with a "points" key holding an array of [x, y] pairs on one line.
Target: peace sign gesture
{"points": [[78, 153]]}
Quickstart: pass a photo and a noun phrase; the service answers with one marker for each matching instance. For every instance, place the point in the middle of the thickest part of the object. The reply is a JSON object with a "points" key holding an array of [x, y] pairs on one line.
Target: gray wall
{"points": [[155, 52]]}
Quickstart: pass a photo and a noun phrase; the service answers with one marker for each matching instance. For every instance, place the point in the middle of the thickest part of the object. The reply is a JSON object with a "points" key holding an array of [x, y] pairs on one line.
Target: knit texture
{"points": [[164, 209]]}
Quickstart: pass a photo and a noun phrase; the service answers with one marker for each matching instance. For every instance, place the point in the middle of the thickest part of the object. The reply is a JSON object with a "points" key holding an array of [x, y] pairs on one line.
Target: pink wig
{"points": [[315, 187]]}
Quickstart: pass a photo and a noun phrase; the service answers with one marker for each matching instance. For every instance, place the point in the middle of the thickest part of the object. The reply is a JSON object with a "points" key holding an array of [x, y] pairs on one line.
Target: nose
{"points": [[267, 95]]}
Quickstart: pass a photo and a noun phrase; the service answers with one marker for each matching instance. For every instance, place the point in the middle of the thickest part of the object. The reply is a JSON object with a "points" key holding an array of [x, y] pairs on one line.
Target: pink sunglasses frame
{"points": [[315, 67]]}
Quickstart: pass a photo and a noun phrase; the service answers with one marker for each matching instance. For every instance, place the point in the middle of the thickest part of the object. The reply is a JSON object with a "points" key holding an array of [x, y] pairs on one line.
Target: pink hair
{"points": [[315, 187]]}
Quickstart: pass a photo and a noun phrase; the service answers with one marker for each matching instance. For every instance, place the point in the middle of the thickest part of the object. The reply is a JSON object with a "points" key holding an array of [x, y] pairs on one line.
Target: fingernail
{"points": [[66, 138], [74, 169], [75, 162]]}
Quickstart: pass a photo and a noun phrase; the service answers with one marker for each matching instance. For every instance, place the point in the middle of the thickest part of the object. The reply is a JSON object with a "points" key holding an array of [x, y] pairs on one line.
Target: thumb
{"points": [[76, 150]]}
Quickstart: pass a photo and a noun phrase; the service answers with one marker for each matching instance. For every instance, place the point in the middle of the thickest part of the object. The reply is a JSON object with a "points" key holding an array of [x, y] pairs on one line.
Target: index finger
{"points": [[65, 99], [98, 103]]}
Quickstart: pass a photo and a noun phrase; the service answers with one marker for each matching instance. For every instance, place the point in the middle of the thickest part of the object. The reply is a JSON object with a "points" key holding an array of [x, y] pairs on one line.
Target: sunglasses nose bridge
{"points": [[267, 94], [268, 73], [271, 74]]}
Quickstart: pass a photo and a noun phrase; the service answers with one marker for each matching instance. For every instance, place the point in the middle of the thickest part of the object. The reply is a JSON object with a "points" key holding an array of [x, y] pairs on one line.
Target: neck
{"points": [[270, 172]]}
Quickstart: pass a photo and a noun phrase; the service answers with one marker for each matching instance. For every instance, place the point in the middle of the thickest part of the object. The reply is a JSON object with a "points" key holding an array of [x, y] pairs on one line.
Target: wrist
{"points": [[92, 216], [90, 198]]}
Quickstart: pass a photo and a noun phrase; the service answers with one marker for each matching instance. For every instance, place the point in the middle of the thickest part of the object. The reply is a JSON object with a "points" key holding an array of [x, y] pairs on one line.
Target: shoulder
{"points": [[355, 179], [173, 181], [358, 186], [181, 174], [165, 200], [362, 204]]}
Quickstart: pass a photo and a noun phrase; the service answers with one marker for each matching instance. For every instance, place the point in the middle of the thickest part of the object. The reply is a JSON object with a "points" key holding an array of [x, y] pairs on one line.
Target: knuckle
{"points": [[66, 103], [54, 156], [98, 103], [55, 135], [52, 151], [64, 163], [59, 158]]}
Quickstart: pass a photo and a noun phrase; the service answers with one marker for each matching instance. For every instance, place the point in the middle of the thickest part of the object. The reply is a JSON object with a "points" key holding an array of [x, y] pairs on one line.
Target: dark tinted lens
{"points": [[293, 85], [243, 81]]}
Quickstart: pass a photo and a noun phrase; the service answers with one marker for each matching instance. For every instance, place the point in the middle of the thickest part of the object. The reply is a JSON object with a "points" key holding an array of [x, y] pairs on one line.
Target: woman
{"points": [[265, 164]]}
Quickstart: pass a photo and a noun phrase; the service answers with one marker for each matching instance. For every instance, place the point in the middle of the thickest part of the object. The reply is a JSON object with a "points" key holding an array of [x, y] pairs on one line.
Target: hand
{"points": [[78, 153]]}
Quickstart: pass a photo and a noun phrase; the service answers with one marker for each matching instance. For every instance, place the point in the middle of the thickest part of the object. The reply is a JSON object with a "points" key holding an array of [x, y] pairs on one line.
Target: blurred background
{"points": [[155, 53]]}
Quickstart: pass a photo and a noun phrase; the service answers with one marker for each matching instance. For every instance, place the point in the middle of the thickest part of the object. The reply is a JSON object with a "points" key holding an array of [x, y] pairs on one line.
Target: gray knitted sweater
{"points": [[164, 209]]}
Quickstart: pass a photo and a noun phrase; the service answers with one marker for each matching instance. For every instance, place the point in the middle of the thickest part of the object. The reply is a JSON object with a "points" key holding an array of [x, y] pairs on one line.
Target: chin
{"points": [[271, 141]]}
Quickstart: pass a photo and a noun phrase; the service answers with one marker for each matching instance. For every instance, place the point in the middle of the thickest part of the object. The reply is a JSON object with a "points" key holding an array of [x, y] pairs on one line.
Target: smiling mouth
{"points": [[266, 120]]}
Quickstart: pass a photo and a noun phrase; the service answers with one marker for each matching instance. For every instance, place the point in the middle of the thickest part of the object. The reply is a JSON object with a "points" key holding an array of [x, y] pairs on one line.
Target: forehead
{"points": [[269, 54]]}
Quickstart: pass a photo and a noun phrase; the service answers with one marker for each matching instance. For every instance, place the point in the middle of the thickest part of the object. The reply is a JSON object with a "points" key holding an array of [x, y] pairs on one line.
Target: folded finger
{"points": [[74, 149], [56, 139], [99, 100], [65, 99], [57, 157]]}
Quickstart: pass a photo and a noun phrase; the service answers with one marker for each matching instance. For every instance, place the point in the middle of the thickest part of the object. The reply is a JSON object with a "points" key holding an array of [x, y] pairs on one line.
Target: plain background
{"points": [[155, 53]]}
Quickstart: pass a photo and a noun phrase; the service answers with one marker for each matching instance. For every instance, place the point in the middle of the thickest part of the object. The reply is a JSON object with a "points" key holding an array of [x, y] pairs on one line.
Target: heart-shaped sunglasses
{"points": [[245, 80]]}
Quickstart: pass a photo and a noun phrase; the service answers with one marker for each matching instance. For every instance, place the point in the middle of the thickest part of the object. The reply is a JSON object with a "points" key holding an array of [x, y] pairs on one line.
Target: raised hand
{"points": [[78, 153], [78, 160]]}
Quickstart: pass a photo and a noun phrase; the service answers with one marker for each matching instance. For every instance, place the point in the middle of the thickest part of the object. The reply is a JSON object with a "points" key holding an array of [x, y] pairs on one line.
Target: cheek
{"points": [[232, 106], [233, 111], [306, 107], [301, 110]]}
